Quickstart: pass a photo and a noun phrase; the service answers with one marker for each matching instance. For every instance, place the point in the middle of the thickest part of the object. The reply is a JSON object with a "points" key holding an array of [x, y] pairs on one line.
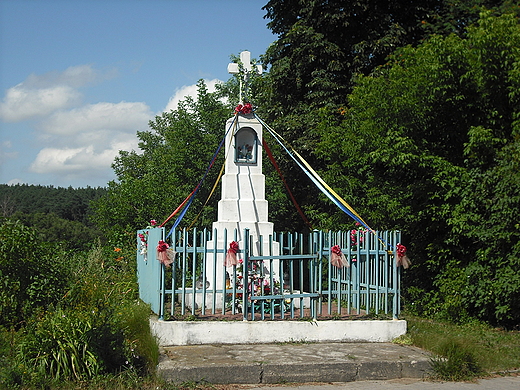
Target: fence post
{"points": [[245, 276]]}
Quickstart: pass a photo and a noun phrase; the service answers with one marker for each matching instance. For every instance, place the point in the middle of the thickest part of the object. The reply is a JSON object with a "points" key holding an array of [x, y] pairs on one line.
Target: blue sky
{"points": [[79, 78]]}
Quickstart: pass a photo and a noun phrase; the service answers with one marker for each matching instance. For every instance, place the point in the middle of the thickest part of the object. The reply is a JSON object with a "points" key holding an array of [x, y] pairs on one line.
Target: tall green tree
{"points": [[323, 46], [429, 144]]}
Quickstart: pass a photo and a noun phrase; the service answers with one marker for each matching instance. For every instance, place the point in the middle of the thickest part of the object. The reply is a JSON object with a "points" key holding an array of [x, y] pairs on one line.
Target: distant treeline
{"points": [[72, 204], [59, 215]]}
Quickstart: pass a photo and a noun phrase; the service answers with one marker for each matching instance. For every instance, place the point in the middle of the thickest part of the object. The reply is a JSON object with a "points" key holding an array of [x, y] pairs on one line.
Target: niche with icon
{"points": [[246, 143]]}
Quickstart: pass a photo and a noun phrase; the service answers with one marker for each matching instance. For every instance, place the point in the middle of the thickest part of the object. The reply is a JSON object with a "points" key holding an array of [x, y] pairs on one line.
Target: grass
{"points": [[462, 352]]}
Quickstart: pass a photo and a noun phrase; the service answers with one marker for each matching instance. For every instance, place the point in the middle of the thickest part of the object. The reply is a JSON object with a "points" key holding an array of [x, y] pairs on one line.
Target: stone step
{"points": [[291, 363]]}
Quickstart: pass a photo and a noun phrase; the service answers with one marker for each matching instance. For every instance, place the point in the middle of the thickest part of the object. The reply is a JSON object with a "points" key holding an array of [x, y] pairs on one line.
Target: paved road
{"points": [[501, 383]]}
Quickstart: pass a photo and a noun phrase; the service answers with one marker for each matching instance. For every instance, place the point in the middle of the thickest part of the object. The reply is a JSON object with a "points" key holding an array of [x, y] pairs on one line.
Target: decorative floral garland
{"points": [[244, 109], [143, 245]]}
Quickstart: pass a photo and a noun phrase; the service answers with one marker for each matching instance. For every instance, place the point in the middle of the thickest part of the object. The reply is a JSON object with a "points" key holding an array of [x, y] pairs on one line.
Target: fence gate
{"points": [[297, 280]]}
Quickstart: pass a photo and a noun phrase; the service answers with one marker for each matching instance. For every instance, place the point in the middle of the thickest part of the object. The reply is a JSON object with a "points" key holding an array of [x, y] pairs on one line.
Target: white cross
{"points": [[234, 68]]}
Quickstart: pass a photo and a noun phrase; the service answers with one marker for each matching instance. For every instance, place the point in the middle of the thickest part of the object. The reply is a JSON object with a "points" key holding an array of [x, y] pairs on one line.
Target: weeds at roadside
{"points": [[464, 352]]}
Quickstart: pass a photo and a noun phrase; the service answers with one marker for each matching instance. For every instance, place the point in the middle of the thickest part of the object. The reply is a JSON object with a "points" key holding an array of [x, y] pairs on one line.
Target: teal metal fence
{"points": [[295, 280]]}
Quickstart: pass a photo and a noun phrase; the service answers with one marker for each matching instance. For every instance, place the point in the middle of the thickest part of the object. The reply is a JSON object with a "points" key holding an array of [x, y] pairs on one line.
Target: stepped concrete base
{"points": [[265, 332], [291, 363]]}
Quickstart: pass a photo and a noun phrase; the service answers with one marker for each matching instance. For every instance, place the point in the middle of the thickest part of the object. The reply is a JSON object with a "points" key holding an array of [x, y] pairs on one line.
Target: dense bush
{"points": [[32, 274]]}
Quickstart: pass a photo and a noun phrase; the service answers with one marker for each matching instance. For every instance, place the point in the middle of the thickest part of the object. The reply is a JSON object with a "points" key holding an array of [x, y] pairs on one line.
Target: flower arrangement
{"points": [[259, 283], [143, 245], [359, 231], [153, 223], [355, 234]]}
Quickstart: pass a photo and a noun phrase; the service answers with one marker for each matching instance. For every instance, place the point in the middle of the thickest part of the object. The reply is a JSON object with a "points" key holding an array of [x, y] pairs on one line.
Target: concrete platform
{"points": [[291, 363]]}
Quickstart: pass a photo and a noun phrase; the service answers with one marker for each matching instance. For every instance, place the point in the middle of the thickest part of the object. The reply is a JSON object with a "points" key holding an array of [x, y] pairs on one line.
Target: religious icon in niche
{"points": [[246, 146]]}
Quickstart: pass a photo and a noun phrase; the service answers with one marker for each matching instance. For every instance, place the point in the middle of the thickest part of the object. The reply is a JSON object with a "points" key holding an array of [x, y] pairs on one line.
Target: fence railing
{"points": [[294, 280]]}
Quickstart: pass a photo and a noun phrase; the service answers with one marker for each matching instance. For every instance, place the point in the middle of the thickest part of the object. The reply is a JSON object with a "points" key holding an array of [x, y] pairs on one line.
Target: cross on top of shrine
{"points": [[246, 68]]}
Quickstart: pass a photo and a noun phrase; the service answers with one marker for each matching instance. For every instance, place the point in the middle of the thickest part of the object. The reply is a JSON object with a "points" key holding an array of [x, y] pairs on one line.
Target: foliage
{"points": [[51, 228], [431, 140], [324, 45], [58, 345], [59, 215], [322, 48], [455, 362]]}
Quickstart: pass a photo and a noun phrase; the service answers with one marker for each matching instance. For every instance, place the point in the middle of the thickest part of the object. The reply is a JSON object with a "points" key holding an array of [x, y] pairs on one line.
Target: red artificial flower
{"points": [[244, 109], [233, 246], [336, 249], [401, 250], [162, 246], [247, 109]]}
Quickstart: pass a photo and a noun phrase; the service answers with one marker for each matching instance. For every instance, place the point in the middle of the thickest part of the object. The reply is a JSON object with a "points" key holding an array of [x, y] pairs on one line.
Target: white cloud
{"points": [[74, 76], [21, 103], [40, 95], [77, 143], [72, 160], [123, 116], [188, 90], [87, 139]]}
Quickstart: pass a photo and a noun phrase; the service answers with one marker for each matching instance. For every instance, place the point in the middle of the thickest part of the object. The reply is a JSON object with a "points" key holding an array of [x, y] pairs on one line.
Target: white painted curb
{"points": [[265, 332]]}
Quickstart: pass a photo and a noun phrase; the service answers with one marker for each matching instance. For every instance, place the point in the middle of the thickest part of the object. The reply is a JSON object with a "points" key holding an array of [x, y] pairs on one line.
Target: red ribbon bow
{"points": [[231, 255], [337, 258], [163, 255], [400, 256]]}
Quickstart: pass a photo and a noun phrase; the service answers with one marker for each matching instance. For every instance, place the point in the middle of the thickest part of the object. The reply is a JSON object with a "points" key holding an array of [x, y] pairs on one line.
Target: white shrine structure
{"points": [[371, 283], [243, 204]]}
